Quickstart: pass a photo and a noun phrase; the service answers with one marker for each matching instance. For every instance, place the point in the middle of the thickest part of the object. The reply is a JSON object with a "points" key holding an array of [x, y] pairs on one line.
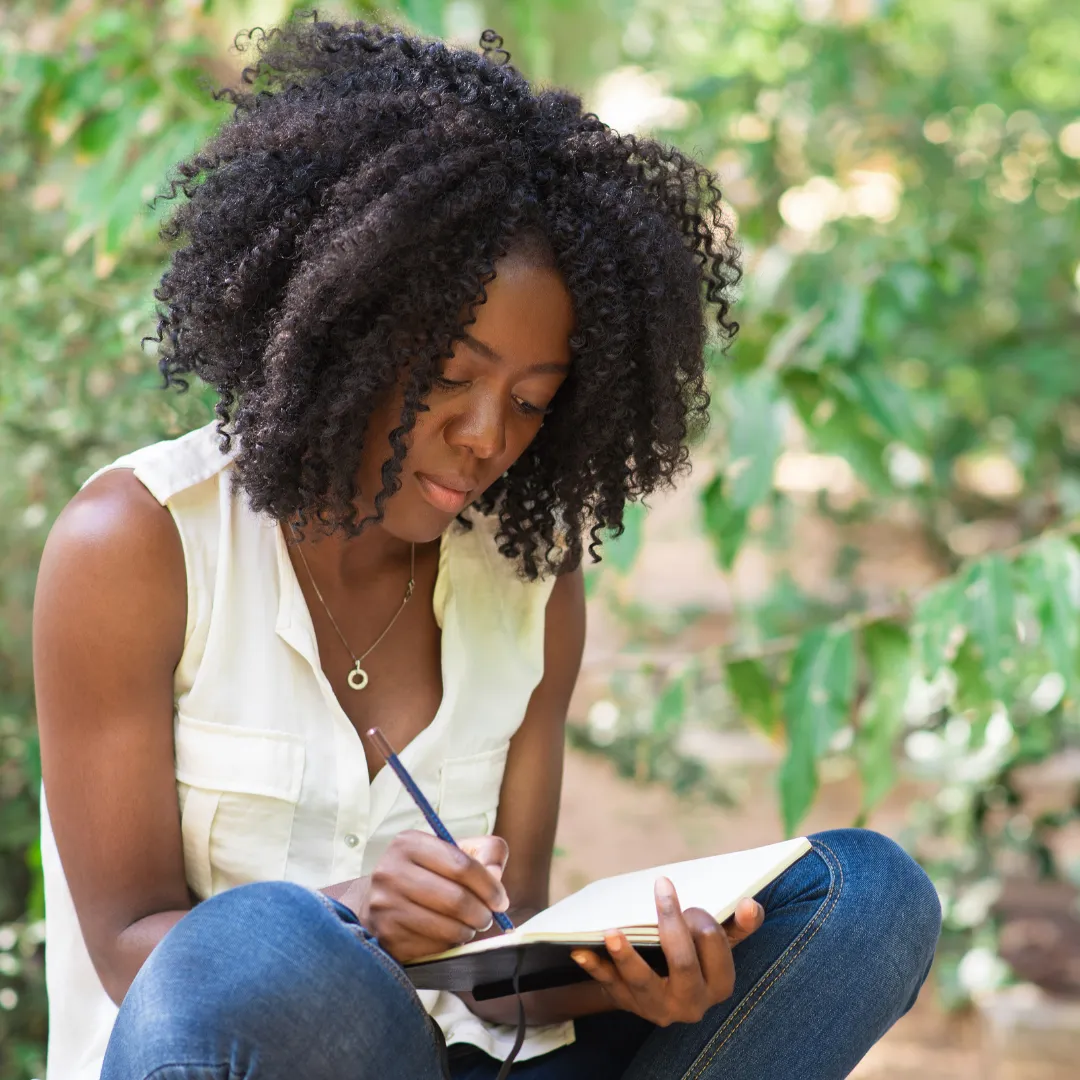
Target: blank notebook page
{"points": [[716, 884]]}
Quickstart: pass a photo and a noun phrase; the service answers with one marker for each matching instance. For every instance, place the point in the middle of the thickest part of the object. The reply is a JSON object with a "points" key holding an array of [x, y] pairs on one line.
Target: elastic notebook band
{"points": [[504, 1072]]}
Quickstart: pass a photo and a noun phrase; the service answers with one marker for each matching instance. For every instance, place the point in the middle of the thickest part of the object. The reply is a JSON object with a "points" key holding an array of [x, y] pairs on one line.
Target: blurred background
{"points": [[864, 604]]}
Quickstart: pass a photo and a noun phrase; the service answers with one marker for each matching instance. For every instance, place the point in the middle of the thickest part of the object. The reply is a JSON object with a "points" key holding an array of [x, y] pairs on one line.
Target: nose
{"points": [[479, 427]]}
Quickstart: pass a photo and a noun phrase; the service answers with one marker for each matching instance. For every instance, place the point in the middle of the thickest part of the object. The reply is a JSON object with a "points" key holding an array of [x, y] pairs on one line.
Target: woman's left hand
{"points": [[701, 972]]}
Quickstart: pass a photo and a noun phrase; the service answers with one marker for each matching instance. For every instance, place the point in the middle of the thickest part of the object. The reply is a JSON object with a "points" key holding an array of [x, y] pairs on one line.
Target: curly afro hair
{"points": [[336, 236]]}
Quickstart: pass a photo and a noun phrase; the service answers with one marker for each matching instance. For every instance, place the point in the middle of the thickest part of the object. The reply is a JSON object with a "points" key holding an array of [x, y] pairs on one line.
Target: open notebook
{"points": [[539, 950]]}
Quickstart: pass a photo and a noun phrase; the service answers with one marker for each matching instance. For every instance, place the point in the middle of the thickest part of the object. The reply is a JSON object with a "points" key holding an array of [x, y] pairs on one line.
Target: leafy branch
{"points": [[998, 622]]}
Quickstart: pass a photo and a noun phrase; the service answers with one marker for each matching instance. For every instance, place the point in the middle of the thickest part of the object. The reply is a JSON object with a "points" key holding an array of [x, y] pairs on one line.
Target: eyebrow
{"points": [[550, 367]]}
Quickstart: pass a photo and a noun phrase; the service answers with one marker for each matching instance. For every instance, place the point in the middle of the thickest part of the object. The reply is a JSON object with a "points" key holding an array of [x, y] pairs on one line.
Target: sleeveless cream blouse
{"points": [[271, 776]]}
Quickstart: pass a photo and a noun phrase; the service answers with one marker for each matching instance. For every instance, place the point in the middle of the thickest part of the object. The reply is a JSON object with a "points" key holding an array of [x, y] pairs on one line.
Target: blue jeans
{"points": [[266, 982]]}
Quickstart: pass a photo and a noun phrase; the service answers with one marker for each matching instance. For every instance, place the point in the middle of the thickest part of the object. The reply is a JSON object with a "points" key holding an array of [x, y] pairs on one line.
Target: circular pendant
{"points": [[358, 677]]}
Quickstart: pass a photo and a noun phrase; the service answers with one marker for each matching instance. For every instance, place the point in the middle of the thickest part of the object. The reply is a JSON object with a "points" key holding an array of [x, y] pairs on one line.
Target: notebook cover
{"points": [[490, 974]]}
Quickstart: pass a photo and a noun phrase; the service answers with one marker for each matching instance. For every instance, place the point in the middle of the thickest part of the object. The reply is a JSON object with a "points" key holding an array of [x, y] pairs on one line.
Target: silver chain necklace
{"points": [[358, 677]]}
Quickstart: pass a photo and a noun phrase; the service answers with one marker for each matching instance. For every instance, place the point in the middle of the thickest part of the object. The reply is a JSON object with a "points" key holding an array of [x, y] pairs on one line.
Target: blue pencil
{"points": [[380, 742]]}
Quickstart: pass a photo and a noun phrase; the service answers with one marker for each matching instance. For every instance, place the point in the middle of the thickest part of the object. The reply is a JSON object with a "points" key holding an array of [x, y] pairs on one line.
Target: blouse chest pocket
{"points": [[238, 789], [469, 791]]}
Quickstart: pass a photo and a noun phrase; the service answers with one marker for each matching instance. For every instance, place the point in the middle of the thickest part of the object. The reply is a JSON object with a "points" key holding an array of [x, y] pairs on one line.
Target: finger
{"points": [[421, 930], [439, 894], [684, 971], [713, 952], [403, 945], [490, 851], [603, 971], [631, 968], [748, 917], [451, 862]]}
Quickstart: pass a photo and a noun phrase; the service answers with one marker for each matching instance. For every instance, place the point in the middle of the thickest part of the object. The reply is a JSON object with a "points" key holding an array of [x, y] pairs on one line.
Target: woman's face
{"points": [[485, 410]]}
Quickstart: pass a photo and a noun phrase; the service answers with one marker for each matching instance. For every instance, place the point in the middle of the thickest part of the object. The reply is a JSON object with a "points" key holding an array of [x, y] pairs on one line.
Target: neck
{"points": [[345, 561]]}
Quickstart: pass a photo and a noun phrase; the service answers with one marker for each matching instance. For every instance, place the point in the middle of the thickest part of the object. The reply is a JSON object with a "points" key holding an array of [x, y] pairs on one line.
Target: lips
{"points": [[450, 494]]}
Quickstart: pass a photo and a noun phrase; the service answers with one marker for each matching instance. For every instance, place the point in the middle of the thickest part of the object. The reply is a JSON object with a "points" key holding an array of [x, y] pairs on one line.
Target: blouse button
{"points": [[352, 839]]}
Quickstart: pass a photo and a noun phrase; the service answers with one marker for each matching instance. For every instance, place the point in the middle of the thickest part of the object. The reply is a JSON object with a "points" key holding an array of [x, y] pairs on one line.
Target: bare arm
{"points": [[109, 618]]}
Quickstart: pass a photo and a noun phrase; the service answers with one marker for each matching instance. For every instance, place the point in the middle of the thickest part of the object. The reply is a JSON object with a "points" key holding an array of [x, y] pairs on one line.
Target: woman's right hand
{"points": [[425, 895]]}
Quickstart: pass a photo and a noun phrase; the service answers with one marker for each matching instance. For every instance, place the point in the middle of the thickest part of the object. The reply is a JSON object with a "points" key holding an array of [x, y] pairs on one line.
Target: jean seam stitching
{"points": [[387, 962], [391, 966], [758, 992]]}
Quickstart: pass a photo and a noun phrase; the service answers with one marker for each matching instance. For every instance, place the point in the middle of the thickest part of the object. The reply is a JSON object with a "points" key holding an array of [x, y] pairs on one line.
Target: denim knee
{"points": [[257, 935], [887, 896], [255, 970]]}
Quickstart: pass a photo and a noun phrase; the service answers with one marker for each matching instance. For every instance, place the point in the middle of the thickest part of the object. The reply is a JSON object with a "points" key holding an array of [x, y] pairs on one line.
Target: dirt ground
{"points": [[609, 825]]}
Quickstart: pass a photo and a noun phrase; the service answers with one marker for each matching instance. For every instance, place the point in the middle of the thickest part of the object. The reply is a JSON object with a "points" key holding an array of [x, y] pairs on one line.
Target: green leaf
{"points": [[754, 435], [889, 661], [989, 595], [99, 132], [28, 77], [910, 283], [128, 202], [1051, 573], [804, 390], [755, 693], [725, 524], [621, 551], [670, 706], [939, 626], [816, 703], [975, 688], [887, 402], [848, 433], [842, 333]]}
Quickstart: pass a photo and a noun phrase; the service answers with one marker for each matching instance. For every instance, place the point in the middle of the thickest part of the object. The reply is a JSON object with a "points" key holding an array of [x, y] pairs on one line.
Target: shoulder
{"points": [[171, 466], [113, 553], [114, 516], [127, 525]]}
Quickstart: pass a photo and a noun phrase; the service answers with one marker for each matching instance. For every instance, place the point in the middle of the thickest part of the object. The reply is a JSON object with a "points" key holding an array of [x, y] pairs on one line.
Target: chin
{"points": [[415, 523]]}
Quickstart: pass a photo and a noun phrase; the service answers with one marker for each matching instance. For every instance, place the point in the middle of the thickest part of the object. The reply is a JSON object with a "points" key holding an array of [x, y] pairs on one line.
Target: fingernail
{"points": [[485, 929], [665, 895], [613, 943], [581, 958], [504, 900]]}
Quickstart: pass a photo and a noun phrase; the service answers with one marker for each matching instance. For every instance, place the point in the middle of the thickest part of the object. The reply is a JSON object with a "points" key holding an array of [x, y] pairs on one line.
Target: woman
{"points": [[454, 324]]}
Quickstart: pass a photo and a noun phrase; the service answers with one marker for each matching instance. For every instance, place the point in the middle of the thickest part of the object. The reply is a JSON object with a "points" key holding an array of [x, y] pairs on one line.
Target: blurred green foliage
{"points": [[905, 177], [907, 187]]}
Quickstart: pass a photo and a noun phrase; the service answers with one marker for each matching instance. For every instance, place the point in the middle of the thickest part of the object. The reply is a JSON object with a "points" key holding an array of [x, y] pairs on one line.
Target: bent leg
{"points": [[266, 982], [849, 935]]}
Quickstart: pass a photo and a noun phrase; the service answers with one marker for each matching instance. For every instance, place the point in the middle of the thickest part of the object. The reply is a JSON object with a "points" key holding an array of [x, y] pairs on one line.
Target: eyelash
{"points": [[522, 407]]}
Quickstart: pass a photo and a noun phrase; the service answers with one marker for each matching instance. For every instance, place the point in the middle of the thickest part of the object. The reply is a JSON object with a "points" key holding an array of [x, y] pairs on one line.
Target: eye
{"points": [[527, 409], [447, 384]]}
